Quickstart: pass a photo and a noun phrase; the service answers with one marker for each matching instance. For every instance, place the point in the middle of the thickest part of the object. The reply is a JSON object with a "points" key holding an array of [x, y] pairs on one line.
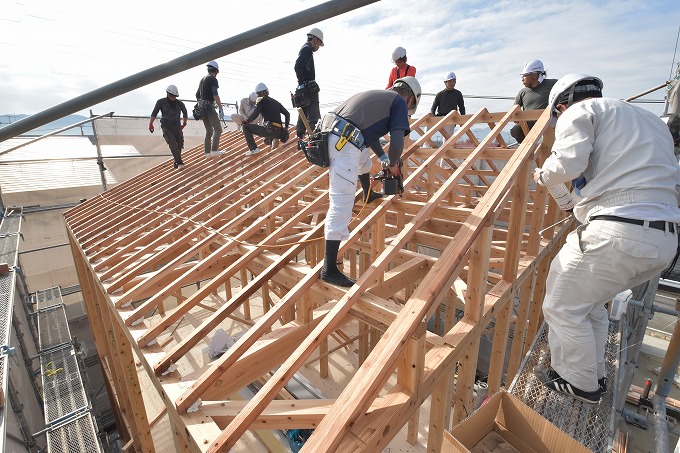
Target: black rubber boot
{"points": [[330, 272], [365, 181]]}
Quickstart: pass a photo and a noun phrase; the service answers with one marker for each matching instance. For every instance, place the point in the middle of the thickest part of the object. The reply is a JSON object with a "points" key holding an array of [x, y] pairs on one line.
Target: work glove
{"points": [[184, 125], [221, 114], [151, 129], [384, 159]]}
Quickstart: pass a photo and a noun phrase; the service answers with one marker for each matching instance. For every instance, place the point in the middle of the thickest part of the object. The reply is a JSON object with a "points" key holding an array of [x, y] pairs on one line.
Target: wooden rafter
{"points": [[235, 243]]}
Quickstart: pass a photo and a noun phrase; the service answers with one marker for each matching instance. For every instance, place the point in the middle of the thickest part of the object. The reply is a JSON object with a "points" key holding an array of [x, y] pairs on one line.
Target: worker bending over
{"points": [[622, 157], [271, 111]]}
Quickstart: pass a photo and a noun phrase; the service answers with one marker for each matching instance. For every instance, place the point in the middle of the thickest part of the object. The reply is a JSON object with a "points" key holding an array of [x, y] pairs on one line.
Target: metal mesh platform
{"points": [[53, 328], [72, 428], [62, 386], [588, 424], [75, 436], [10, 228], [46, 298]]}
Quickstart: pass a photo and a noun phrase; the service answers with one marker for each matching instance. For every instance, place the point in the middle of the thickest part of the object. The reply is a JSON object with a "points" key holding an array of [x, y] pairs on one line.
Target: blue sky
{"points": [[54, 51]]}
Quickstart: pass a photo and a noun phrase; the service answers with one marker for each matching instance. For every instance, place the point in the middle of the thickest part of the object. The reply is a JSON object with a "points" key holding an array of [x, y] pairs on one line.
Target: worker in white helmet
{"points": [[622, 159], [209, 98], [273, 127], [401, 68], [350, 130], [246, 107], [448, 99], [534, 95], [306, 78], [172, 110]]}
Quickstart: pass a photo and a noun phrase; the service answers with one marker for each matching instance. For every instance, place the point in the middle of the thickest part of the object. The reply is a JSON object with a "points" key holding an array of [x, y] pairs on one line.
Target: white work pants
{"points": [[598, 261], [345, 166]]}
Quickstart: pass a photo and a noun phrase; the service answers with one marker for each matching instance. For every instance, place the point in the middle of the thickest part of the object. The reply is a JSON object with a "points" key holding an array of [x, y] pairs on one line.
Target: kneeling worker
{"points": [[361, 121], [271, 111]]}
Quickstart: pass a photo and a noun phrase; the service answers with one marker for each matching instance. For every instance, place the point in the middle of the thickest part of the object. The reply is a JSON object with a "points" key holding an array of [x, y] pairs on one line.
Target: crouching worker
{"points": [[246, 106], [352, 128], [171, 109], [273, 128]]}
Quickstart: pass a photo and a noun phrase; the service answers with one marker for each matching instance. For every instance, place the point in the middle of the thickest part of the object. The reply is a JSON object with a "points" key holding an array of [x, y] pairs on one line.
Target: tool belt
{"points": [[303, 94], [347, 131], [271, 127], [276, 130], [316, 151]]}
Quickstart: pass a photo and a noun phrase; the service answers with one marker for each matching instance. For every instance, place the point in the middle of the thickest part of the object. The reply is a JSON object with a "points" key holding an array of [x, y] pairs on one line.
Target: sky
{"points": [[53, 51]]}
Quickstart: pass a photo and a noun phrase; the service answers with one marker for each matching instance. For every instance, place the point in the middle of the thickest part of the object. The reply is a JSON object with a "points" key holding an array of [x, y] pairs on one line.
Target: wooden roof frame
{"points": [[204, 242]]}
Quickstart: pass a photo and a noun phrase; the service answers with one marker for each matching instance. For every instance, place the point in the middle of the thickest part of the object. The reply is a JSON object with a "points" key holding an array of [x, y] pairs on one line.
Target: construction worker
{"points": [[361, 121], [246, 107], [271, 111], [208, 96], [400, 69], [623, 158], [534, 95], [306, 78], [171, 108], [448, 99]]}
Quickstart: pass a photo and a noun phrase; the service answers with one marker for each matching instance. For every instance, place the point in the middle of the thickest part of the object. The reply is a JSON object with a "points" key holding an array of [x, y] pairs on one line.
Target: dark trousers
{"points": [[255, 129], [517, 132], [213, 129], [313, 115], [174, 137]]}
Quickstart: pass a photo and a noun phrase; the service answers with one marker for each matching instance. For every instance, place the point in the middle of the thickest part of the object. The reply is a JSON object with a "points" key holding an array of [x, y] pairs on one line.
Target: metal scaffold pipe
{"points": [[198, 57]]}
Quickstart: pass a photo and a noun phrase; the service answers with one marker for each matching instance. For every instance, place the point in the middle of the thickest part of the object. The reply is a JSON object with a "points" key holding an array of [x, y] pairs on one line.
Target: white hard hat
{"points": [[261, 87], [413, 84], [563, 91], [450, 76], [398, 53], [213, 64], [253, 96], [172, 89], [533, 66], [316, 33]]}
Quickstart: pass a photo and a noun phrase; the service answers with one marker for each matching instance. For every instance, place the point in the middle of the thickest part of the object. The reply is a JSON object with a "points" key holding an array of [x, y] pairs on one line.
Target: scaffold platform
{"points": [[590, 425]]}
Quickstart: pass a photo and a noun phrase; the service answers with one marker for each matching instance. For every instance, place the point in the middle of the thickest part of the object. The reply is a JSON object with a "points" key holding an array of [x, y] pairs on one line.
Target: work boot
{"points": [[335, 277], [365, 180], [551, 379], [372, 196], [602, 383], [300, 144], [268, 141], [330, 272]]}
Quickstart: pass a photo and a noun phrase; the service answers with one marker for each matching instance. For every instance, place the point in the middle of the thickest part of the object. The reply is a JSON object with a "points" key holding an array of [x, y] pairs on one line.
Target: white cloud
{"points": [[54, 52]]}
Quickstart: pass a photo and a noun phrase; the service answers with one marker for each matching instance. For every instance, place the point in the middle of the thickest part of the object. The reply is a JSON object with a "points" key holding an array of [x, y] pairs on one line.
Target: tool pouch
{"points": [[316, 151], [301, 97], [199, 111]]}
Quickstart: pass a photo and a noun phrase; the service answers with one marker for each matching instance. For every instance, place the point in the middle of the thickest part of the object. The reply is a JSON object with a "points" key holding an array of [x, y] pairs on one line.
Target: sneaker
{"points": [[252, 152], [216, 153], [336, 278], [602, 383], [373, 196], [551, 379], [208, 154]]}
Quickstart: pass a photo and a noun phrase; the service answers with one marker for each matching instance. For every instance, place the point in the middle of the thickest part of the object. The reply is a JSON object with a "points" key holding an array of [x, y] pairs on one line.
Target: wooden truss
{"points": [[236, 243]]}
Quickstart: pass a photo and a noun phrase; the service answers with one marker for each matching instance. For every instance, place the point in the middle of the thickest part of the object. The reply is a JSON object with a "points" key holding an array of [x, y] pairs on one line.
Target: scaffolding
{"points": [[10, 229], [69, 422]]}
